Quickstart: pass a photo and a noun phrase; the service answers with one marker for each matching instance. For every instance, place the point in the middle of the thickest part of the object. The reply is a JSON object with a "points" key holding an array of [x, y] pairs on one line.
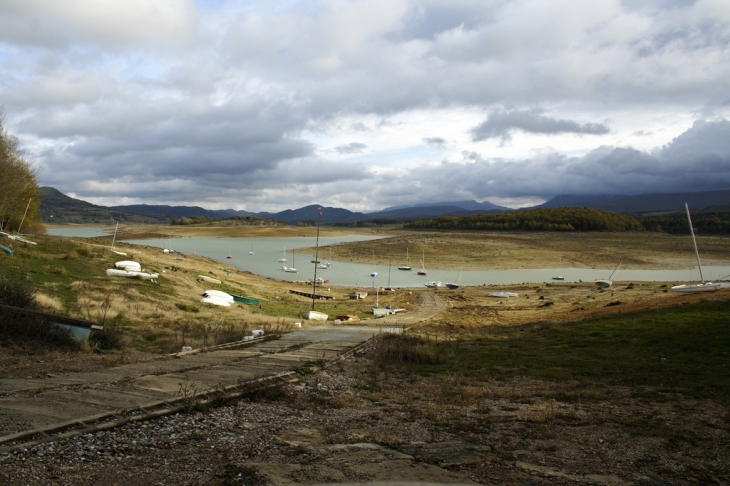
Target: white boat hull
{"points": [[205, 278], [218, 294], [118, 272], [216, 301], [314, 315], [695, 289], [604, 282], [129, 265], [503, 295]]}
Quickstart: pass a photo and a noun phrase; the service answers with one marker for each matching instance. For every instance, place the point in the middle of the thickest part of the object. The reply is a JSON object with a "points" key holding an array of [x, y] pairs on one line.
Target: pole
{"points": [[694, 241], [316, 259], [26, 212]]}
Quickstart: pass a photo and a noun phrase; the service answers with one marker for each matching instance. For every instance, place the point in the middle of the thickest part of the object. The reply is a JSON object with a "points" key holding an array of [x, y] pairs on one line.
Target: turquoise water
{"points": [[80, 232]]}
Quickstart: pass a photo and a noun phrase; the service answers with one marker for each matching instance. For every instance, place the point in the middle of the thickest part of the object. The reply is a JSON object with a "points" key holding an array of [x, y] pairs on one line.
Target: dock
{"points": [[311, 295]]}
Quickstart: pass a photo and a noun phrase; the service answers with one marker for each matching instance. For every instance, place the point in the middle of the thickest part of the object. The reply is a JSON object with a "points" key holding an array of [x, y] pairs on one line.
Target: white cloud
{"points": [[223, 101]]}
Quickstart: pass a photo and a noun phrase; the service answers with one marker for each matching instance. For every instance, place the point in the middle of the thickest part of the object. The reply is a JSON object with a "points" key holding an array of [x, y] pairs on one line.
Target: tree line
{"points": [[578, 219], [19, 199]]}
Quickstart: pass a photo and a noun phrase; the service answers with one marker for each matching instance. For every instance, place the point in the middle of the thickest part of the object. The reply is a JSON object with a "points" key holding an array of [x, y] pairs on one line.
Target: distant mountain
{"points": [[470, 205], [646, 203], [180, 211], [424, 212], [57, 207], [572, 200], [310, 213]]}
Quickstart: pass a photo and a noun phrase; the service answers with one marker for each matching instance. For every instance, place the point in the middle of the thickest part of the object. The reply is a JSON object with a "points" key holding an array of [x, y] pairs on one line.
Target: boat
{"points": [[432, 285], [245, 300], [558, 277], [607, 282], [700, 287], [373, 274], [422, 271], [454, 286], [216, 301], [129, 265], [218, 294], [380, 311], [290, 269], [318, 281], [502, 295], [283, 259], [314, 315], [407, 266], [18, 237], [251, 252], [358, 295], [119, 272], [206, 278], [229, 252], [114, 239], [7, 250]]}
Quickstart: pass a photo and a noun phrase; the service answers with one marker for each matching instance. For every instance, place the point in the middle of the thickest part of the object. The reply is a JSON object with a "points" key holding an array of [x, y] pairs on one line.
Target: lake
{"points": [[268, 251]]}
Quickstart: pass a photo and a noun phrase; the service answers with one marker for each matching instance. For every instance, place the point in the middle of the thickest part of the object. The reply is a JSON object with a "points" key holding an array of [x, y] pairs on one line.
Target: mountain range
{"points": [[60, 208]]}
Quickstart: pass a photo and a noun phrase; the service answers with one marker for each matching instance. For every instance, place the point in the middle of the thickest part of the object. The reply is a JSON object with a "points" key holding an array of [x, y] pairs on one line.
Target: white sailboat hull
{"points": [[118, 272], [697, 288]]}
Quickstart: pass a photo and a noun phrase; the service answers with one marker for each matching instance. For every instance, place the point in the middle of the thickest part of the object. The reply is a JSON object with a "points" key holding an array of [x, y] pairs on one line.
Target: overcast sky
{"points": [[269, 105]]}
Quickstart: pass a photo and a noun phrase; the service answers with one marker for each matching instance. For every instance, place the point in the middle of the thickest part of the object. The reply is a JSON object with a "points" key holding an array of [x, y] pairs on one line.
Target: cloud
{"points": [[351, 148], [434, 140], [500, 124]]}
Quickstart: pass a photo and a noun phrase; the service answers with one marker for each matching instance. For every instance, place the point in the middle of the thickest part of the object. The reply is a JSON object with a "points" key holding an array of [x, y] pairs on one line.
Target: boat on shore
{"points": [[407, 266], [700, 287], [607, 282], [6, 249], [206, 278], [119, 272], [314, 315], [502, 295], [432, 285]]}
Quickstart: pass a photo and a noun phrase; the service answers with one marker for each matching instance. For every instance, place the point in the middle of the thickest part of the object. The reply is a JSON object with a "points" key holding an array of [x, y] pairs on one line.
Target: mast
{"points": [[26, 212], [316, 259], [115, 234], [694, 241]]}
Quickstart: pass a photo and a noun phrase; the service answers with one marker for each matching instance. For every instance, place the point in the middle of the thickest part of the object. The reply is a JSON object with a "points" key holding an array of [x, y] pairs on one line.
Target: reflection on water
{"points": [[268, 251]]}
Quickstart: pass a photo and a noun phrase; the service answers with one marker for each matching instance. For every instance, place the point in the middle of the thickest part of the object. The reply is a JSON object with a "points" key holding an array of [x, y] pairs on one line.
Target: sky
{"points": [[366, 104]]}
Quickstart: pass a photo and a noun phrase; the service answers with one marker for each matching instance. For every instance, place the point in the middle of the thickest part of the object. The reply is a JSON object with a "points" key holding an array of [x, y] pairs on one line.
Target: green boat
{"points": [[245, 300], [7, 250]]}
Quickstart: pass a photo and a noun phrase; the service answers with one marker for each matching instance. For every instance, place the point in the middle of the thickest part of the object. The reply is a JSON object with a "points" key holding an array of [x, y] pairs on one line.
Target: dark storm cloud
{"points": [[351, 148], [500, 124]]}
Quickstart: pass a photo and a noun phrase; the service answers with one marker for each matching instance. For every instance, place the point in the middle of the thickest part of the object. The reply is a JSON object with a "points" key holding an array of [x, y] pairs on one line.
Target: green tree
{"points": [[18, 184]]}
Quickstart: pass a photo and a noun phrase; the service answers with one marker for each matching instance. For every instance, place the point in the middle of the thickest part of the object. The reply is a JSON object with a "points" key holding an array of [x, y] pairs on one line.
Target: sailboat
{"points": [[115, 239], [454, 286], [606, 282], [229, 252], [407, 266], [291, 269], [701, 287], [251, 252], [315, 314], [373, 274], [283, 259], [422, 271]]}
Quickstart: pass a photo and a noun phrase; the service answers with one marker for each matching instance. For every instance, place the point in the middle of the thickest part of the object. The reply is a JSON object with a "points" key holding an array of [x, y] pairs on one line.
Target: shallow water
{"points": [[267, 252]]}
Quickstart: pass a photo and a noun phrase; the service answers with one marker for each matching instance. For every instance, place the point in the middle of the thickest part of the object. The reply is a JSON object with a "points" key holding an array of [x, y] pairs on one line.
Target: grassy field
{"points": [[683, 349]]}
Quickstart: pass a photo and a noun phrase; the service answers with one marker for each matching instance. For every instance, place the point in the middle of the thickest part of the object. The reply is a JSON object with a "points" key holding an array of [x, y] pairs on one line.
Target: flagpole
{"points": [[316, 261]]}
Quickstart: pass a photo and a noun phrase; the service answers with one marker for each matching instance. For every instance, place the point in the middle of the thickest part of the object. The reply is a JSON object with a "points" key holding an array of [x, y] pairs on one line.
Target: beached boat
{"points": [[216, 301], [502, 295], [432, 285], [455, 285], [245, 300], [607, 282], [129, 265], [7, 250], [700, 287], [114, 239], [218, 294], [314, 315], [119, 272], [208, 279]]}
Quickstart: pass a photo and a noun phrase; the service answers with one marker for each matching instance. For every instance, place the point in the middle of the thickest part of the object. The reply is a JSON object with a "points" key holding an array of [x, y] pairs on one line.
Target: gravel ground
{"points": [[353, 423]]}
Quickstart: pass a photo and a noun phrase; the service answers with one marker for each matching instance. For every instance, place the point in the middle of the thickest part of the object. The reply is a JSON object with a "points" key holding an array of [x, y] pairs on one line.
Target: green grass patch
{"points": [[676, 350]]}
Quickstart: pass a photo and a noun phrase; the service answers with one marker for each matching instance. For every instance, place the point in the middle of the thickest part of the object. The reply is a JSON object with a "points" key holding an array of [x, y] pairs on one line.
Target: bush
{"points": [[32, 331], [17, 295]]}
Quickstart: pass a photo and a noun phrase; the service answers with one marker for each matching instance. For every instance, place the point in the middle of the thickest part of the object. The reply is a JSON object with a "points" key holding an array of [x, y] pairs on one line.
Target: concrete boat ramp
{"points": [[35, 410]]}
